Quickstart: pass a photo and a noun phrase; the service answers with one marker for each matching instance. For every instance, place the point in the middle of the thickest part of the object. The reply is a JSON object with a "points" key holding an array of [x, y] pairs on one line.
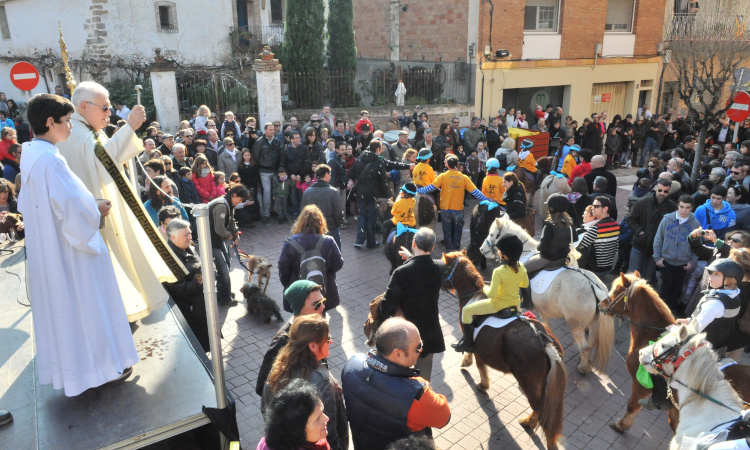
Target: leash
{"points": [[705, 396], [239, 260]]}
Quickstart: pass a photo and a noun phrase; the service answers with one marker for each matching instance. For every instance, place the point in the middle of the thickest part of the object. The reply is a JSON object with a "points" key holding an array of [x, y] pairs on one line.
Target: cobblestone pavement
{"points": [[479, 420]]}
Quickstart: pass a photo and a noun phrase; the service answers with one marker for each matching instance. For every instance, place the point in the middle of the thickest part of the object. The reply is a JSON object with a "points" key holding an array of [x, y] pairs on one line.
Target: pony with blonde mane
{"points": [[573, 295], [686, 360], [552, 185]]}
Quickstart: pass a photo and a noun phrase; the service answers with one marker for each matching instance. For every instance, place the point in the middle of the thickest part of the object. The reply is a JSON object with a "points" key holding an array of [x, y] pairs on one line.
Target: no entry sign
{"points": [[739, 110], [24, 76]]}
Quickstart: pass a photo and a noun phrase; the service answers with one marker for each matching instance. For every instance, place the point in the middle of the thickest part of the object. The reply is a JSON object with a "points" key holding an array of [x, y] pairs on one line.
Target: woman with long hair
{"points": [[557, 235], [295, 419], [157, 199], [514, 196], [316, 149], [446, 136], [309, 343], [308, 232], [203, 178]]}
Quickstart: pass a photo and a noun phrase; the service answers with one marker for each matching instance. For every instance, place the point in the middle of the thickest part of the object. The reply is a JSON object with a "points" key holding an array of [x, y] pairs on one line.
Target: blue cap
{"points": [[527, 144], [493, 163], [424, 154], [575, 148]]}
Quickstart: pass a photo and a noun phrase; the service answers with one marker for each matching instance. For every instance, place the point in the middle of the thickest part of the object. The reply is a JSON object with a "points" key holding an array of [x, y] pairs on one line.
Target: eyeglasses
{"points": [[736, 240], [229, 145], [166, 164], [651, 167], [662, 192], [736, 173], [104, 108], [318, 304], [188, 136], [596, 206], [419, 347]]}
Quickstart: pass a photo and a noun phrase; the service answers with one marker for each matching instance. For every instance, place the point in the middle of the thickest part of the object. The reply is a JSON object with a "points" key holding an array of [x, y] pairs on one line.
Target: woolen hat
{"points": [[297, 293], [558, 203], [510, 246]]}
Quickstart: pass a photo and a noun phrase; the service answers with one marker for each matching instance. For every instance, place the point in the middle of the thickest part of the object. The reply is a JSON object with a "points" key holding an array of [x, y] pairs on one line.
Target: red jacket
{"points": [[4, 147], [580, 170], [358, 126], [206, 187]]}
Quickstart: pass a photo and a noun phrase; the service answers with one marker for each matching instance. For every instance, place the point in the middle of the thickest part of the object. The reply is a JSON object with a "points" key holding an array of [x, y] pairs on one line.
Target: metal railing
{"points": [[251, 39], [221, 92], [313, 89], [436, 85], [708, 25]]}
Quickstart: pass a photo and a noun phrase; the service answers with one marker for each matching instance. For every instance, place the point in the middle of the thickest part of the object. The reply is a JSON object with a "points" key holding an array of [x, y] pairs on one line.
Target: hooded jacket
{"points": [[671, 240], [511, 155], [719, 221]]}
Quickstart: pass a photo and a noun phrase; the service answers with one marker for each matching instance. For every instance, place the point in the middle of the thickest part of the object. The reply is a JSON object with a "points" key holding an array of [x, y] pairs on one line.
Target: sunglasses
{"points": [[651, 167], [736, 173], [229, 145], [736, 240], [596, 206], [419, 347], [318, 304], [104, 108], [662, 192]]}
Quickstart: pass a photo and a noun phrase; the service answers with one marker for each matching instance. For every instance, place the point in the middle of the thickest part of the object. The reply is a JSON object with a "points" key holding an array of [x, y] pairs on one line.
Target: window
{"points": [[620, 16], [277, 12], [541, 15], [166, 17], [4, 30]]}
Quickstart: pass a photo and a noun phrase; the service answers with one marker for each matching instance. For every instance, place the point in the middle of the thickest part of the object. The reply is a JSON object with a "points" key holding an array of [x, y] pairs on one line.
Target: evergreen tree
{"points": [[304, 50], [342, 53]]}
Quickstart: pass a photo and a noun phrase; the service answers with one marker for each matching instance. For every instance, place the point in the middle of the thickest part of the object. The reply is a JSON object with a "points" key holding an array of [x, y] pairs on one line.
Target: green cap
{"points": [[297, 293]]}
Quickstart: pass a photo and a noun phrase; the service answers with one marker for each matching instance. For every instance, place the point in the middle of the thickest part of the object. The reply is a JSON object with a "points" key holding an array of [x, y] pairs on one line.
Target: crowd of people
{"points": [[325, 171]]}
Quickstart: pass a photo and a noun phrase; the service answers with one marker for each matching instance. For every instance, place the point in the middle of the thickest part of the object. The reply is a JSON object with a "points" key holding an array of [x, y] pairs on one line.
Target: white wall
{"points": [[202, 37], [618, 44], [541, 46]]}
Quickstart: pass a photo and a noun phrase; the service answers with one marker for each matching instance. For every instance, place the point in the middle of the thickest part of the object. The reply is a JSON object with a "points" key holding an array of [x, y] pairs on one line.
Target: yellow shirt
{"points": [[528, 163], [503, 291], [423, 175], [403, 211], [453, 185], [569, 165], [493, 189]]}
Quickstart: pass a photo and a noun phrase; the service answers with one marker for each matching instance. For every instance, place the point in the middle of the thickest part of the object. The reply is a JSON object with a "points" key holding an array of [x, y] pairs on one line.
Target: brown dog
{"points": [[260, 266]]}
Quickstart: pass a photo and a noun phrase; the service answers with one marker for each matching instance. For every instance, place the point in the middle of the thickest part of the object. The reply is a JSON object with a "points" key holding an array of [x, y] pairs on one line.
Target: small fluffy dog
{"points": [[260, 266], [259, 303]]}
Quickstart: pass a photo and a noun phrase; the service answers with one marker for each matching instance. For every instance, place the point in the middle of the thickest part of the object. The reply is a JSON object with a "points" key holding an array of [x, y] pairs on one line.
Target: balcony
{"points": [[714, 25], [251, 39]]}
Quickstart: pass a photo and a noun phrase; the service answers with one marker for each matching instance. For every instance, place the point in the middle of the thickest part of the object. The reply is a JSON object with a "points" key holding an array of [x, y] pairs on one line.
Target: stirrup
{"points": [[462, 346]]}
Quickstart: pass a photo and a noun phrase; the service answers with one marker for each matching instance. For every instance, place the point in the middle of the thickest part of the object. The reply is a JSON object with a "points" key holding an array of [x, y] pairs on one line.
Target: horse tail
{"points": [[603, 334], [551, 414]]}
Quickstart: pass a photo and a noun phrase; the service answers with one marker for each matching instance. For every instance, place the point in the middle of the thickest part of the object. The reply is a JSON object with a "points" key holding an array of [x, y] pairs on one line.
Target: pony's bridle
{"points": [[674, 357], [449, 279], [621, 297], [494, 249]]}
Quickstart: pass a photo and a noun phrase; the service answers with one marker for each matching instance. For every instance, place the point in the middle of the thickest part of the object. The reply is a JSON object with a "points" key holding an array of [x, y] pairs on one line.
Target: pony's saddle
{"points": [[541, 281]]}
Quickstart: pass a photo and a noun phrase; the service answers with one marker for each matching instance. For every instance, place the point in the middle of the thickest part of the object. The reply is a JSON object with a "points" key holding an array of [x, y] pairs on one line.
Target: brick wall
{"points": [[507, 27], [429, 30], [648, 26], [582, 23]]}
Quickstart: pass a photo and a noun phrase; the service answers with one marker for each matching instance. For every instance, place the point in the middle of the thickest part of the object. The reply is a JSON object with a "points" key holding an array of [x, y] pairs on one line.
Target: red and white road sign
{"points": [[24, 76], [740, 108]]}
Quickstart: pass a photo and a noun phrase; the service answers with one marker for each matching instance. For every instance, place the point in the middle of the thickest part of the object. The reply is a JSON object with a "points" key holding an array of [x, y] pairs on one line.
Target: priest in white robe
{"points": [[139, 266], [81, 332]]}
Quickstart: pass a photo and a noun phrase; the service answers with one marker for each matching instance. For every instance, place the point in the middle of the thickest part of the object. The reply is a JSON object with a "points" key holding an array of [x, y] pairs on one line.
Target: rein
{"points": [[623, 296], [449, 279]]}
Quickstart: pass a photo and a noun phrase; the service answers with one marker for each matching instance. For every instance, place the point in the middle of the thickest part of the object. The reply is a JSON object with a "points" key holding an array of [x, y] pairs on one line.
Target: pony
{"points": [[572, 295], [686, 360], [531, 354], [392, 247], [552, 185], [482, 219], [543, 166], [634, 300]]}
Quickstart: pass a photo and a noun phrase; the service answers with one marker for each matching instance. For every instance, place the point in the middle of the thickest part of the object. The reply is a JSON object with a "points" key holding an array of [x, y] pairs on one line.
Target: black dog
{"points": [[260, 303]]}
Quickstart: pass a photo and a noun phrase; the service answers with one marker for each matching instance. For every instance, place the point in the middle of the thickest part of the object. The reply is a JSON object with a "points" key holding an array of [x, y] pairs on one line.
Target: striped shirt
{"points": [[604, 237]]}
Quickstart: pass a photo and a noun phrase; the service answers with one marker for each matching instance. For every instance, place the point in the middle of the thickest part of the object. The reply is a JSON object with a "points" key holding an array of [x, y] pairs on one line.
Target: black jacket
{"points": [[297, 160], [327, 198], [187, 293], [515, 202], [278, 342], [265, 154], [602, 172], [593, 138], [645, 217], [249, 175], [415, 287], [339, 177], [555, 241], [371, 181]]}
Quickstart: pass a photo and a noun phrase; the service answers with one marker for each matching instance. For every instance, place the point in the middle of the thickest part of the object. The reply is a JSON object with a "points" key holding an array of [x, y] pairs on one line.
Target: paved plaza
{"points": [[479, 420]]}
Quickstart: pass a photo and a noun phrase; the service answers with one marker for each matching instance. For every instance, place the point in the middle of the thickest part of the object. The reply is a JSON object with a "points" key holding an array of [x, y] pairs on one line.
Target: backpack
{"points": [[312, 265], [502, 158]]}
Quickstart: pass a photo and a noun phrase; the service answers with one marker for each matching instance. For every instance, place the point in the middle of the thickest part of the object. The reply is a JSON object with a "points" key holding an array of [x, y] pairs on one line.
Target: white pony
{"points": [[552, 185], [685, 358], [572, 295]]}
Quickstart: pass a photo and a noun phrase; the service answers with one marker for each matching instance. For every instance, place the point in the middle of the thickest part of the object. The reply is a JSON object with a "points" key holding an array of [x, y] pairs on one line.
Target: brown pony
{"points": [[543, 165], [515, 349], [635, 301]]}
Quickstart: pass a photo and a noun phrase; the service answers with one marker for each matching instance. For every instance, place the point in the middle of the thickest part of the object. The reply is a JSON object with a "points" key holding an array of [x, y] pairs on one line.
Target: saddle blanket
{"points": [[494, 322], [540, 283]]}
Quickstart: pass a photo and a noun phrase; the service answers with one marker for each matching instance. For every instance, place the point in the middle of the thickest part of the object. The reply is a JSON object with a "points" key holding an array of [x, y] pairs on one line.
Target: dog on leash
{"points": [[260, 266], [259, 303]]}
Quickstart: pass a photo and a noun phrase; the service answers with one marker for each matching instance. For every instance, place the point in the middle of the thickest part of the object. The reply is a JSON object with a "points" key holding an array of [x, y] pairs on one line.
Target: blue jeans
{"points": [[644, 264], [649, 145], [296, 197], [453, 226], [368, 215], [265, 182], [223, 283], [336, 235]]}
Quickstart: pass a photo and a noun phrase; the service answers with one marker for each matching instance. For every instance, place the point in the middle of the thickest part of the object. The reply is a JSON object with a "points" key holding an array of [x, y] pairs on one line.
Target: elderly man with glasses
{"points": [[644, 220], [228, 157]]}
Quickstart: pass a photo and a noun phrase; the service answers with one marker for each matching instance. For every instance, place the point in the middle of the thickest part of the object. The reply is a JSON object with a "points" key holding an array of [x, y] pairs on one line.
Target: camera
{"points": [[703, 233]]}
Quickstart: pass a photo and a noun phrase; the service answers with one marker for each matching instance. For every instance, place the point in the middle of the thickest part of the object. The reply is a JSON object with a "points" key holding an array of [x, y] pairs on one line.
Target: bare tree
{"points": [[703, 52]]}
